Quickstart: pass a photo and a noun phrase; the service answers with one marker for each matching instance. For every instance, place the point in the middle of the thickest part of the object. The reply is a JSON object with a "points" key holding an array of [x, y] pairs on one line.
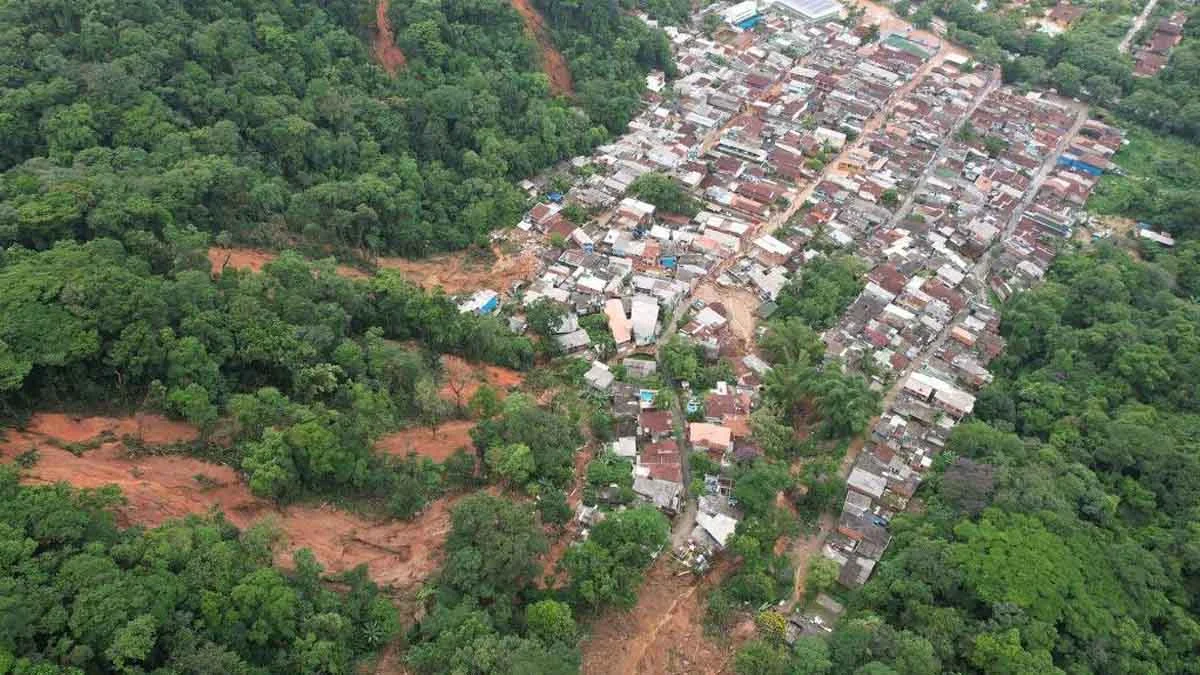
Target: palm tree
{"points": [[790, 385], [846, 404]]}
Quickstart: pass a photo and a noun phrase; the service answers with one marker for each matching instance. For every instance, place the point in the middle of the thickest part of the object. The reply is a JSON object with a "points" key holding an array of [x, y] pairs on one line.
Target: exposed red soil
{"points": [[551, 578], [383, 44], [454, 273], [558, 547], [151, 429], [459, 272], [254, 259], [450, 437], [390, 661], [461, 379], [398, 555], [663, 633], [552, 59]]}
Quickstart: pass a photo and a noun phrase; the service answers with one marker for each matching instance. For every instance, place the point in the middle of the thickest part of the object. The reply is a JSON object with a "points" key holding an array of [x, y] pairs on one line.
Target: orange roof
{"points": [[711, 435]]}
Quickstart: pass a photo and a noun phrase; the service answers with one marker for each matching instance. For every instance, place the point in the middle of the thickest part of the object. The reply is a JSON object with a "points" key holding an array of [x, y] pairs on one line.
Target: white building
{"points": [[644, 311]]}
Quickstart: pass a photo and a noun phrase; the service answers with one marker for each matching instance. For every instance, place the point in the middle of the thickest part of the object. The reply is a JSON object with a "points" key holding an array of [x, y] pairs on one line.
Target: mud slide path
{"points": [[398, 555], [663, 633], [552, 59], [383, 44]]}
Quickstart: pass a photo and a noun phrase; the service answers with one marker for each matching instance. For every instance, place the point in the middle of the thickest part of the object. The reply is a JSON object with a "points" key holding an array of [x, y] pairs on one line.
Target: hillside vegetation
{"points": [[194, 596], [1061, 527], [269, 121]]}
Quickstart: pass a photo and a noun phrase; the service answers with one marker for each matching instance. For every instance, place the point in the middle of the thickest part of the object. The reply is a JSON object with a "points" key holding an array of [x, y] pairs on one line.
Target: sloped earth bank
{"points": [[383, 43], [461, 379], [454, 273], [254, 259], [398, 555], [663, 633], [459, 272], [449, 437], [552, 59]]}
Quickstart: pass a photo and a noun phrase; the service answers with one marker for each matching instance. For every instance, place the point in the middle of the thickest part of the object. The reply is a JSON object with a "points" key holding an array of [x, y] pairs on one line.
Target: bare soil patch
{"points": [[454, 273], [383, 43], [149, 428], [663, 633], [552, 59], [255, 259], [239, 258], [461, 379], [739, 306], [398, 555], [460, 272], [450, 437]]}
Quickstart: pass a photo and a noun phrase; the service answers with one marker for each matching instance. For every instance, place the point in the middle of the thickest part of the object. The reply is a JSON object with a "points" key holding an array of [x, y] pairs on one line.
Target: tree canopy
{"points": [[1060, 532], [194, 595], [269, 120]]}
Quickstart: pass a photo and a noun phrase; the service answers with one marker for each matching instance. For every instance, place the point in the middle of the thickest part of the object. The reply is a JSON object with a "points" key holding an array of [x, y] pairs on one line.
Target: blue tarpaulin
{"points": [[747, 24]]}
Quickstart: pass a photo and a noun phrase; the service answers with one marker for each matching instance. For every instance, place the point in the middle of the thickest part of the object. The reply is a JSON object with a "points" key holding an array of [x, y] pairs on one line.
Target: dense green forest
{"points": [[1061, 526], [79, 595], [291, 373], [486, 613], [270, 122]]}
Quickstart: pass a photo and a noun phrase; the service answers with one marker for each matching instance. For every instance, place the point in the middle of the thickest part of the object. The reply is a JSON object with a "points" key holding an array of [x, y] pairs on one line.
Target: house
{"points": [[656, 424], [480, 302], [856, 571], [713, 531], [645, 319], [663, 494], [660, 460], [718, 406], [770, 251], [950, 398], [573, 341], [809, 10], [756, 364], [715, 438], [627, 402], [856, 503], [740, 12], [1156, 237], [640, 368], [618, 323], [625, 446], [635, 213], [866, 482], [599, 376]]}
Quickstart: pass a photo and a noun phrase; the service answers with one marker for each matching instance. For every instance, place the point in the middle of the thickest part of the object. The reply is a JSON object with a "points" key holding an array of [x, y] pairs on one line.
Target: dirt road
{"points": [[552, 59], [1140, 21]]}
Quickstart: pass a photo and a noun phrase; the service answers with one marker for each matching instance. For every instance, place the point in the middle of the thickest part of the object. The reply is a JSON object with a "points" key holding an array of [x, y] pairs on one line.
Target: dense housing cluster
{"points": [[790, 141]]}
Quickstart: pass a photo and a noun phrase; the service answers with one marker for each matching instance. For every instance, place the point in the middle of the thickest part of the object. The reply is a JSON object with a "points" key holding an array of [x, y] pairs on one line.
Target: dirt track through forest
{"points": [[552, 59], [383, 43]]}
